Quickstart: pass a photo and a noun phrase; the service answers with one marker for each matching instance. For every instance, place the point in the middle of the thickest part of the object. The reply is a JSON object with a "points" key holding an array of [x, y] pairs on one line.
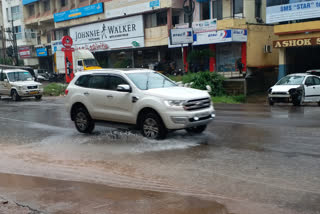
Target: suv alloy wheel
{"points": [[152, 126], [83, 121]]}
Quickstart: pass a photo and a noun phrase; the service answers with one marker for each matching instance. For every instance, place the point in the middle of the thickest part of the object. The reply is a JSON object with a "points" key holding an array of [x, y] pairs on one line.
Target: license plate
{"points": [[203, 114], [33, 92]]}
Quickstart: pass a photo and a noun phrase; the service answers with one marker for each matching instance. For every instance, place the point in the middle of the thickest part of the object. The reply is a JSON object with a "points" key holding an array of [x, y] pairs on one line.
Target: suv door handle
{"points": [[86, 93], [109, 96]]}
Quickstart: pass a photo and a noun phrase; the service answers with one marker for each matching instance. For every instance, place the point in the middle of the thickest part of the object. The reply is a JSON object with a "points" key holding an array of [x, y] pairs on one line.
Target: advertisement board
{"points": [[204, 26], [181, 36], [132, 9], [78, 12], [56, 46], [24, 52], [221, 36], [42, 52], [24, 2], [114, 34], [288, 10]]}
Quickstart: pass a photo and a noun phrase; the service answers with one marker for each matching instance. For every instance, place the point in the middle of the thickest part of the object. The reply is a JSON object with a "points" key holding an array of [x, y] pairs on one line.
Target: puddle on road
{"points": [[56, 196]]}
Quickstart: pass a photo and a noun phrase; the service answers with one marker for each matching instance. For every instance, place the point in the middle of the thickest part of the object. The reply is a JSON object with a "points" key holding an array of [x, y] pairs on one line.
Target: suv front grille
{"points": [[32, 87], [279, 93], [193, 105]]}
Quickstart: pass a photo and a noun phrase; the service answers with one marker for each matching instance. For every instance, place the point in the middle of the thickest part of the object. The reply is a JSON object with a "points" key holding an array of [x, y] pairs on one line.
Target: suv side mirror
{"points": [[124, 88]]}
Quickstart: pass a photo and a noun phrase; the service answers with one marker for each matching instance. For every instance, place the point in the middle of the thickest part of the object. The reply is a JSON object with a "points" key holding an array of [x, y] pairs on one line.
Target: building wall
{"points": [[156, 36], [258, 37]]}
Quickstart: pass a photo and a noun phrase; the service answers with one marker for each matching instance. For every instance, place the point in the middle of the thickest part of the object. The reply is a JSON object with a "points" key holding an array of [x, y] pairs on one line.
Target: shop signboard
{"points": [[296, 42], [108, 35], [78, 12], [132, 8], [281, 11], [221, 36], [25, 2], [42, 52], [204, 26], [24, 52], [56, 46], [180, 36]]}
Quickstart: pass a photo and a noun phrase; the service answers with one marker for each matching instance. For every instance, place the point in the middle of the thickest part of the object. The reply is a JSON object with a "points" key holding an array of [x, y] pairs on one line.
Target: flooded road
{"points": [[252, 159]]}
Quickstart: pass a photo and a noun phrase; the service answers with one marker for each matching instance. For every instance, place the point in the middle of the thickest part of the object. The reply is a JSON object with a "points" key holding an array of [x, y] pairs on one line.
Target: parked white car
{"points": [[139, 97], [19, 83], [296, 88]]}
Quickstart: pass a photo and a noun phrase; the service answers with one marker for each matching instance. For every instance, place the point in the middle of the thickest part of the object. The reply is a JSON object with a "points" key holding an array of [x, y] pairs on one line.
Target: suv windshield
{"points": [[19, 76], [90, 62], [150, 80], [291, 80]]}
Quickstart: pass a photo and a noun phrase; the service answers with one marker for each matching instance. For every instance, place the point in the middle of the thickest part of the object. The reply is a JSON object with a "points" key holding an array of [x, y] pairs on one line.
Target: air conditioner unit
{"points": [[267, 49]]}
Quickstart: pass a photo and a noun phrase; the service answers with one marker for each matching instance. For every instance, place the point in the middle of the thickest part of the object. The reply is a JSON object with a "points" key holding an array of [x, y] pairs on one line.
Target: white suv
{"points": [[140, 97], [19, 83]]}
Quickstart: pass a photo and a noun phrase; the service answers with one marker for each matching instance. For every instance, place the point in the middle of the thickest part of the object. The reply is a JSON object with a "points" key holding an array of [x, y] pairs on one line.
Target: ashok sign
{"points": [[296, 42]]}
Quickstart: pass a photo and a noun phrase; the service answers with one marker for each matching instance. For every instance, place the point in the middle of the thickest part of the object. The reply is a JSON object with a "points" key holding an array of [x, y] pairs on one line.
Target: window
{"points": [[258, 8], [17, 32], [205, 11], [31, 10], [61, 33], [217, 9], [97, 82], [15, 12], [175, 20], [114, 81], [309, 81], [63, 3], [316, 80], [237, 7], [48, 37], [161, 18], [80, 63], [83, 81], [46, 5]]}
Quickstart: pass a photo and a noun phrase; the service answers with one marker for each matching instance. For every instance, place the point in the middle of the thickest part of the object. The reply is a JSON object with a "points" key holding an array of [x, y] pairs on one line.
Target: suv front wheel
{"points": [[15, 96], [83, 121], [152, 126]]}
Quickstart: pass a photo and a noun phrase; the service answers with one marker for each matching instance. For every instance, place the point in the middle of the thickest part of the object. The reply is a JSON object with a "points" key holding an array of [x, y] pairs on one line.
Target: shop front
{"points": [[229, 48], [298, 55], [45, 60]]}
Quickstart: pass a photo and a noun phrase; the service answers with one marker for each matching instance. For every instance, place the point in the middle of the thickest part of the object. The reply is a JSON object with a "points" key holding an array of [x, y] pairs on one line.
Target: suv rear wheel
{"points": [[152, 126], [83, 121], [38, 97], [15, 96]]}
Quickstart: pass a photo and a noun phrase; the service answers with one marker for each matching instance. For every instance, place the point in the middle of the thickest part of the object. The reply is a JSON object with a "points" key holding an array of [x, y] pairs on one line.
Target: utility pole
{"points": [[14, 45]]}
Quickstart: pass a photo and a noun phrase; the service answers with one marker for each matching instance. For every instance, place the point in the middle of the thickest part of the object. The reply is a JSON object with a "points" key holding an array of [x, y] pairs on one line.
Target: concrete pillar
{"points": [[282, 63]]}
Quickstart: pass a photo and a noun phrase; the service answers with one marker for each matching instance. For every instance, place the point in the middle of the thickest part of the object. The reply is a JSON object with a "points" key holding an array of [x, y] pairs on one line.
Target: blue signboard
{"points": [[155, 3], [24, 2], [42, 52], [282, 11], [79, 12]]}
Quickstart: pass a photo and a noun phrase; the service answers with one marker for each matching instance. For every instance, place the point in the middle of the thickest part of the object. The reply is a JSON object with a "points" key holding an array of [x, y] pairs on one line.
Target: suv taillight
{"points": [[66, 92]]}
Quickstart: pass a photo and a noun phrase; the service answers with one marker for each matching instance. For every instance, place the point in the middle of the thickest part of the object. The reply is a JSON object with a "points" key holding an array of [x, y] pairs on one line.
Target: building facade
{"points": [[297, 26], [13, 21]]}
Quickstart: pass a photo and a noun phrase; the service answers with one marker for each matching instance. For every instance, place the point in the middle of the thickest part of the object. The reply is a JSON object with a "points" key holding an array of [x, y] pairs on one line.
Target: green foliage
{"points": [[198, 55], [6, 61], [124, 63], [229, 99], [54, 89], [202, 79]]}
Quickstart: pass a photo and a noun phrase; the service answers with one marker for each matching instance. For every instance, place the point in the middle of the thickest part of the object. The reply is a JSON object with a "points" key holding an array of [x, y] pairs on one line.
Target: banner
{"points": [[181, 36], [288, 10], [24, 52], [42, 52], [114, 34], [204, 26], [78, 12]]}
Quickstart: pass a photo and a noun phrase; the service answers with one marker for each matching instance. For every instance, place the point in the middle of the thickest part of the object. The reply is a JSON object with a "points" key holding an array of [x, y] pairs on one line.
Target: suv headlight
{"points": [[174, 103]]}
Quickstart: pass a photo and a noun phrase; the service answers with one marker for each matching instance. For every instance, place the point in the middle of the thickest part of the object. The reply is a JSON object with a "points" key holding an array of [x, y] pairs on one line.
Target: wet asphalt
{"points": [[252, 159]]}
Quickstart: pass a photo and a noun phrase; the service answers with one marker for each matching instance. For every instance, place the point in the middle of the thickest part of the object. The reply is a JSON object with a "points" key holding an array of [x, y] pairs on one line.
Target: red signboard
{"points": [[67, 41], [24, 52], [68, 57]]}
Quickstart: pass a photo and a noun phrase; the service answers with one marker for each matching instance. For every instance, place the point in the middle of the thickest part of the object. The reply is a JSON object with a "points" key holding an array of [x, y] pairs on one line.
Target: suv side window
{"points": [[114, 81], [316, 80], [97, 82], [83, 81], [309, 81]]}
